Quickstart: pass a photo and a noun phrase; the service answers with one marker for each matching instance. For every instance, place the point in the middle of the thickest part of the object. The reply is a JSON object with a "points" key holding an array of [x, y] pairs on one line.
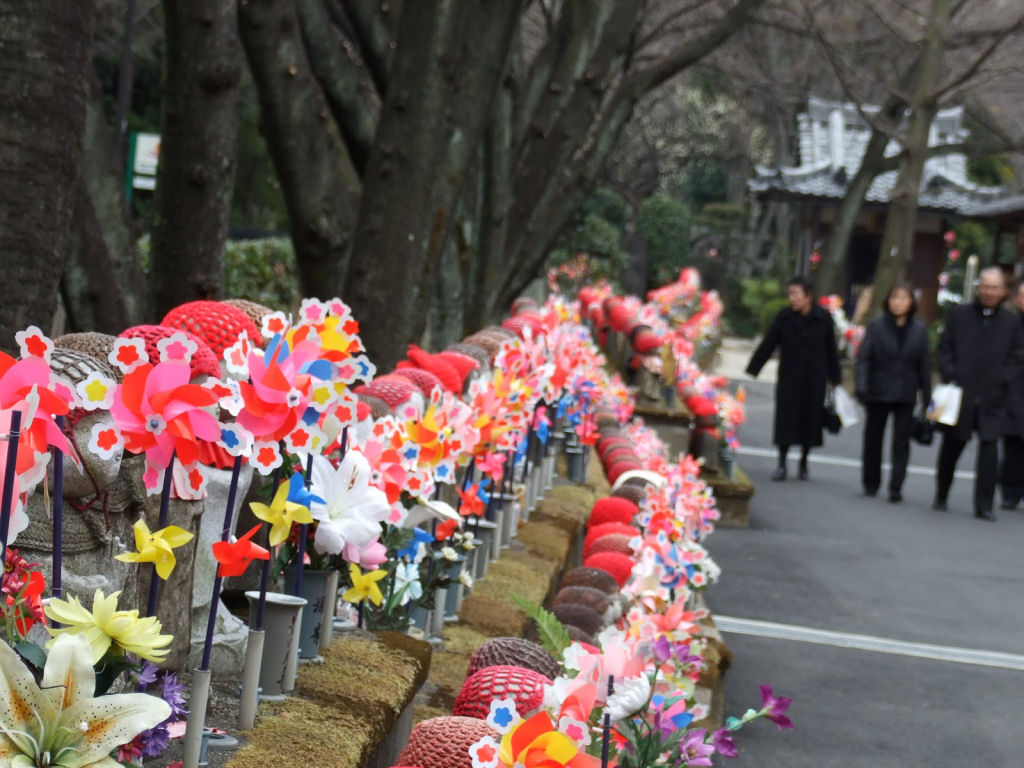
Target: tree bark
{"points": [[44, 49], [453, 54], [198, 135], [319, 184], [103, 286], [898, 242]]}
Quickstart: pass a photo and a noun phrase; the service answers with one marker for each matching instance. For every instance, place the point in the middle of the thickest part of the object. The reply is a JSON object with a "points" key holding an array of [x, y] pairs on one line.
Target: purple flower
{"points": [[693, 749], [774, 708], [662, 649], [147, 675], [174, 694], [723, 743], [154, 741]]}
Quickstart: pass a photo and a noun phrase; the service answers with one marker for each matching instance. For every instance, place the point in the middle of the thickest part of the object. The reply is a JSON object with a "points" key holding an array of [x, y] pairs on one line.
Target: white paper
{"points": [[945, 405]]}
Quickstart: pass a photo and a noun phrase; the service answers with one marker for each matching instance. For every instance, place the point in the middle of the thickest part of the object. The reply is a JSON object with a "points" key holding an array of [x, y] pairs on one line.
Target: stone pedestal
{"points": [[732, 496]]}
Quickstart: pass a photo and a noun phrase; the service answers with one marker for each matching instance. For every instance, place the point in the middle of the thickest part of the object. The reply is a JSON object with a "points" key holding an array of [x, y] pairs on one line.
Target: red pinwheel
{"points": [[234, 556]]}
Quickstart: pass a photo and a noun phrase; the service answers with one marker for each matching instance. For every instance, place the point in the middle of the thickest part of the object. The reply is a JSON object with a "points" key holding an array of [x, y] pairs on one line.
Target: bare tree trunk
{"points": [[103, 287], [319, 184], [44, 49], [438, 100], [198, 137], [898, 243]]}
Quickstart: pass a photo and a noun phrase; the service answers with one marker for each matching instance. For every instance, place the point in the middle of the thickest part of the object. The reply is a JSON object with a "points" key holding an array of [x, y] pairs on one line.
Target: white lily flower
{"points": [[349, 519], [59, 723], [407, 582]]}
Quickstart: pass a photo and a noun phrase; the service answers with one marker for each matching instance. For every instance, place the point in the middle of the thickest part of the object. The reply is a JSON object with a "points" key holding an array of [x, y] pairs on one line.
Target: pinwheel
{"points": [[156, 547], [234, 556], [281, 514], [364, 585], [535, 741]]}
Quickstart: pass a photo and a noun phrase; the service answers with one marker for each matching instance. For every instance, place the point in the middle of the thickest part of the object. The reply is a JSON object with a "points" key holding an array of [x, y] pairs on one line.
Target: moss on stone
{"points": [[297, 732], [546, 540], [464, 639], [343, 708]]}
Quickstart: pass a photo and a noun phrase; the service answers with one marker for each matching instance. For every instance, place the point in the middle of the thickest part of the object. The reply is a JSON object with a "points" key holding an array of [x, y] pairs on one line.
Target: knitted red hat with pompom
{"points": [[216, 323], [615, 564], [612, 510], [203, 360], [463, 364], [444, 371]]}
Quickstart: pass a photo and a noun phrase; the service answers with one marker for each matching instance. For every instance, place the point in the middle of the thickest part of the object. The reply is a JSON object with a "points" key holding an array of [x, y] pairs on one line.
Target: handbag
{"points": [[829, 418], [922, 431]]}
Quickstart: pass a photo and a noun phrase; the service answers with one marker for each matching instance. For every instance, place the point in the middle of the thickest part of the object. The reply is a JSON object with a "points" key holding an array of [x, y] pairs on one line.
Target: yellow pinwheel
{"points": [[156, 547], [364, 585], [281, 514]]}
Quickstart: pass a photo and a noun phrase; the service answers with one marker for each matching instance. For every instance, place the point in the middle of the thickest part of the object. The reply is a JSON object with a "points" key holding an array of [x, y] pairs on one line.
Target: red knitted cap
{"points": [[216, 323], [612, 510], [525, 686], [203, 361], [448, 376], [646, 341], [393, 390], [463, 364], [620, 467], [615, 564], [425, 380], [444, 742]]}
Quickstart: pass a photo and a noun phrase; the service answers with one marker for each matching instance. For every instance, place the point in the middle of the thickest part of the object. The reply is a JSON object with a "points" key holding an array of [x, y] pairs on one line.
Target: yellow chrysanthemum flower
{"points": [[105, 625]]}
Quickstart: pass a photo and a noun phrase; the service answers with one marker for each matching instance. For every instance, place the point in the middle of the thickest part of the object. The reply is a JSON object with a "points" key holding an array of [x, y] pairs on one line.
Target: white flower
{"points": [[58, 722], [448, 553], [465, 579], [349, 518], [407, 582], [628, 696]]}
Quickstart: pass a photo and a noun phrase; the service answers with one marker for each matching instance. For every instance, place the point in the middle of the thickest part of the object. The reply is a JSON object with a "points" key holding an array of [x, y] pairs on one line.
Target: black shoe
{"points": [[939, 505], [779, 474], [895, 497], [870, 491], [803, 474], [985, 514]]}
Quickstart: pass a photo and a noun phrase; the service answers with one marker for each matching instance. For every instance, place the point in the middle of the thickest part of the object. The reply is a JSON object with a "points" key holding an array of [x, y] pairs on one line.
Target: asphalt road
{"points": [[820, 555]]}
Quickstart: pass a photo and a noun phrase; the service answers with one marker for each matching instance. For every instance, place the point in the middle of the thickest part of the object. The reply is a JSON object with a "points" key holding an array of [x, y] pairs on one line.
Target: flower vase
{"points": [[282, 615], [314, 592], [331, 602], [574, 460], [728, 459], [453, 590]]}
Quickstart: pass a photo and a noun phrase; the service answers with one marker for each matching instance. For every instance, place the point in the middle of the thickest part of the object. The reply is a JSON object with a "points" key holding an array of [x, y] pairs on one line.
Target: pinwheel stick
{"points": [[9, 471], [56, 586], [265, 575], [606, 734], [225, 534], [303, 532], [165, 503]]}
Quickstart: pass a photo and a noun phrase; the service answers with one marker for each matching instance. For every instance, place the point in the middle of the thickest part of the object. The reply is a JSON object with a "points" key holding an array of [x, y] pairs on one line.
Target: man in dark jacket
{"points": [[806, 338], [981, 350], [1011, 476]]}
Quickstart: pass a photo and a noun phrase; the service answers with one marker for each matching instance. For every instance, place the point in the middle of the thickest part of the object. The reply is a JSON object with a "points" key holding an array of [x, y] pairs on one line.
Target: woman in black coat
{"points": [[893, 366], [806, 339]]}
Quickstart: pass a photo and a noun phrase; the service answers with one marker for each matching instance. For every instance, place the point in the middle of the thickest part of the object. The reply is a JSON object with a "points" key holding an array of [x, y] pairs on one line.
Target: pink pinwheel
{"points": [[159, 413], [280, 391]]}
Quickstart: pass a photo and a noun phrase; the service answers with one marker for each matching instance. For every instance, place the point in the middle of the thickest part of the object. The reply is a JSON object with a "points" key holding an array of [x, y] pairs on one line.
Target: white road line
{"points": [[730, 624], [842, 461]]}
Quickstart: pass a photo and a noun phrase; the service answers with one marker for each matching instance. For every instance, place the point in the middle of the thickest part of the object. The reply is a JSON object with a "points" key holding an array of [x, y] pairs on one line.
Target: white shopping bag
{"points": [[945, 405], [846, 407]]}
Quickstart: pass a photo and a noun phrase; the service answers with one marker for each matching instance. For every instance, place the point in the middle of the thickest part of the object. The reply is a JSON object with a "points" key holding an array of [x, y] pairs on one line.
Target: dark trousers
{"points": [[1011, 476], [985, 471], [874, 431]]}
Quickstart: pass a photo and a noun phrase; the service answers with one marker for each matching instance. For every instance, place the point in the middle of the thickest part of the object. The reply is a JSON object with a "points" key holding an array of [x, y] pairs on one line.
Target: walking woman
{"points": [[893, 367], [806, 339]]}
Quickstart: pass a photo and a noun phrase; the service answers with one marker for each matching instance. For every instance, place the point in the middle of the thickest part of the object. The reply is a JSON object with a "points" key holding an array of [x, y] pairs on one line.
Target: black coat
{"points": [[1014, 424], [982, 356], [887, 372], [807, 361]]}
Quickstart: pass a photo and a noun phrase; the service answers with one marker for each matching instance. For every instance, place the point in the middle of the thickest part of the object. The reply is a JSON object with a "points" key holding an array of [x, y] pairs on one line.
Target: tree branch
{"points": [[372, 26], [976, 65]]}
